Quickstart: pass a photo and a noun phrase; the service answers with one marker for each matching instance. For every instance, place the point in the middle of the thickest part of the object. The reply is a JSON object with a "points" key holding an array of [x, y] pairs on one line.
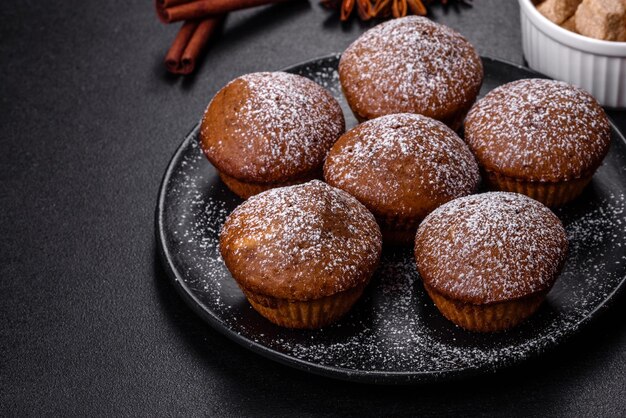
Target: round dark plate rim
{"points": [[380, 377]]}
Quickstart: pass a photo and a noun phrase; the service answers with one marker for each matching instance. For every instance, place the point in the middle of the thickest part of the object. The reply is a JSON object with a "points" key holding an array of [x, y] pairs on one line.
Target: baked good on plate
{"points": [[488, 260], [401, 167], [542, 138], [301, 254], [411, 65], [271, 129]]}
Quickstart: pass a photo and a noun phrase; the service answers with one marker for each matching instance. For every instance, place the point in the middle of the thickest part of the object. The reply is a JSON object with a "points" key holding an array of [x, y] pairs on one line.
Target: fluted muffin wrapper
{"points": [[552, 194], [315, 313], [492, 317], [247, 189]]}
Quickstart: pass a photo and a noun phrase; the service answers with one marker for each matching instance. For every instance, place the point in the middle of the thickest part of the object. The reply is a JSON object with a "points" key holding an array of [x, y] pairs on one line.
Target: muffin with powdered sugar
{"points": [[411, 65], [488, 260], [301, 254], [402, 167], [272, 129], [542, 138]]}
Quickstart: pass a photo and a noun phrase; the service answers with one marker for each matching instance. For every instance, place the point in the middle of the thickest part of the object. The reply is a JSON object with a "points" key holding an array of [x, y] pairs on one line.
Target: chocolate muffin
{"points": [[266, 130], [401, 167], [542, 138], [411, 65], [301, 254], [488, 260]]}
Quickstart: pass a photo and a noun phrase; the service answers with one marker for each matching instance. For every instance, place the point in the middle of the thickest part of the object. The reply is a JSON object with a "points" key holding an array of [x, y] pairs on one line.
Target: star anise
{"points": [[382, 8], [364, 8]]}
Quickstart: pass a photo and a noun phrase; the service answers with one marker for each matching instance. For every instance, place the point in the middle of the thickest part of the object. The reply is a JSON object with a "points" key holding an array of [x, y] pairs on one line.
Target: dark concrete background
{"points": [[89, 324]]}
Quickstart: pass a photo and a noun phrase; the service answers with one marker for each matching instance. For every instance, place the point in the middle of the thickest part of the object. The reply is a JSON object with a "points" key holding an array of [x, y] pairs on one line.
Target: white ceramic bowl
{"points": [[597, 66]]}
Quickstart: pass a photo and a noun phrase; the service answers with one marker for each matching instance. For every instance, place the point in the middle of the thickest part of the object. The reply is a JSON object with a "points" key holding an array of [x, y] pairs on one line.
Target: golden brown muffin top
{"points": [[301, 242], [410, 65], [402, 165], [267, 127], [538, 130], [490, 247]]}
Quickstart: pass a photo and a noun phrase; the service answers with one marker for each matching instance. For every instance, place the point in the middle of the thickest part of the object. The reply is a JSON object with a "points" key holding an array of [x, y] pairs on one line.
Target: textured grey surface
{"points": [[88, 323]]}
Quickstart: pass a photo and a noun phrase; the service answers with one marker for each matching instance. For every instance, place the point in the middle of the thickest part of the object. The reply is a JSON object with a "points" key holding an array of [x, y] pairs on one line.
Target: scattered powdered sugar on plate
{"points": [[394, 333]]}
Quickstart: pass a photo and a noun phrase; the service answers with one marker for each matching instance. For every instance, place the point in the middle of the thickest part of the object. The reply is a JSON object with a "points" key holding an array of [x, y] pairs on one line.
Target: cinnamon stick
{"points": [[175, 53], [161, 5], [189, 43], [176, 10], [170, 3]]}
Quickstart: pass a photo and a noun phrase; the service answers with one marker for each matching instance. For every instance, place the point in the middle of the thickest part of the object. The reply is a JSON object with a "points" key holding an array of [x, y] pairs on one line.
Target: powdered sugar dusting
{"points": [[282, 125], [491, 247], [410, 65], [394, 332], [538, 129], [395, 327], [402, 161], [304, 241]]}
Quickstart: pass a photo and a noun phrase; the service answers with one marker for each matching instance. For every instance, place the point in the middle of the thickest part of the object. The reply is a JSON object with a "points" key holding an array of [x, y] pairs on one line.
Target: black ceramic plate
{"points": [[394, 333]]}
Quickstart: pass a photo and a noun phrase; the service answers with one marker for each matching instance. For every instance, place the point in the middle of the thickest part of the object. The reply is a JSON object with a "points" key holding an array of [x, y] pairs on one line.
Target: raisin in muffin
{"points": [[301, 254], [266, 130]]}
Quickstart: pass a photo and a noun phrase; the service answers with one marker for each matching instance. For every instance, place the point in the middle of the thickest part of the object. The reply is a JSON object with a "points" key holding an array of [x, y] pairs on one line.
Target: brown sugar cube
{"points": [[602, 19], [558, 11], [570, 24]]}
